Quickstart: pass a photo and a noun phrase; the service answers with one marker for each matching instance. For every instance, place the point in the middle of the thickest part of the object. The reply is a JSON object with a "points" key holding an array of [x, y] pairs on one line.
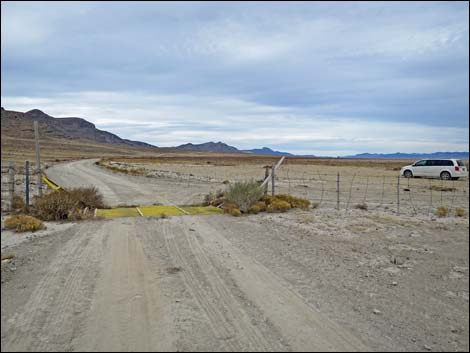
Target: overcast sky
{"points": [[317, 78]]}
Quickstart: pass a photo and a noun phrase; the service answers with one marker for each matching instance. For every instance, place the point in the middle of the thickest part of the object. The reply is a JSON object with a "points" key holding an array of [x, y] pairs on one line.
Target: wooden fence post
{"points": [[11, 183], [26, 171], [266, 175], [273, 172]]}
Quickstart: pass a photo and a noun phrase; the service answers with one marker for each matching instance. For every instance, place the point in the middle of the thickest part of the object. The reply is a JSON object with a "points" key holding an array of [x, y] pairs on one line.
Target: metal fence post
{"points": [[26, 171], [398, 195], [337, 191]]}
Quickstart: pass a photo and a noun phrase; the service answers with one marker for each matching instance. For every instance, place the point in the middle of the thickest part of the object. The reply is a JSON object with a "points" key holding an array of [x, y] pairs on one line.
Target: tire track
{"points": [[304, 328], [40, 323], [228, 318], [127, 310]]}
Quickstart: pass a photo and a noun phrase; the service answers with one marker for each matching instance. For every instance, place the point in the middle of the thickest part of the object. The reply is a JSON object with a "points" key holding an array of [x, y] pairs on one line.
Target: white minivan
{"points": [[445, 169]]}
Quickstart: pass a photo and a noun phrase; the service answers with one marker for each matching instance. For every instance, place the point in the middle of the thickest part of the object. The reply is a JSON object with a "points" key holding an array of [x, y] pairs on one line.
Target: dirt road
{"points": [[293, 282], [124, 189]]}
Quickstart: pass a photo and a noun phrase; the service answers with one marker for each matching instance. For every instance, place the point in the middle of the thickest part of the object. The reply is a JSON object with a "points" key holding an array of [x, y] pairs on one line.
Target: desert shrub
{"points": [[361, 206], [254, 209], [261, 205], [460, 212], [295, 202], [442, 211], [228, 206], [226, 182], [244, 194], [267, 199], [23, 223], [208, 199], [70, 204], [18, 204], [278, 206], [235, 212], [216, 199]]}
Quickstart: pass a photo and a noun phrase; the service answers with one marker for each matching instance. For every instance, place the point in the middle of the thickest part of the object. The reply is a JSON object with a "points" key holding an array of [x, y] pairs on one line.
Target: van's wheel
{"points": [[408, 174], [446, 176]]}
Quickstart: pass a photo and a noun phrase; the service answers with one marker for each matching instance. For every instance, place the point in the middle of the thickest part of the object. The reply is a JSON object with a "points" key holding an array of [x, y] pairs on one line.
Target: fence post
{"points": [[11, 183], [266, 175], [337, 191], [398, 195], [272, 178], [26, 171]]}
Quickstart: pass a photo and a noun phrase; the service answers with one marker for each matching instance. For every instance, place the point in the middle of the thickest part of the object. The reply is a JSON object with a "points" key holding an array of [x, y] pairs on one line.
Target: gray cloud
{"points": [[382, 63]]}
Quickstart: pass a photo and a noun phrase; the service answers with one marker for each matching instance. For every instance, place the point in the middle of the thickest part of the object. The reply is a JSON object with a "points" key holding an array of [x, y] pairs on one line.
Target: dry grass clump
{"points": [[460, 212], [235, 212], [72, 204], [294, 202], [257, 207], [216, 199], [361, 206], [244, 194], [18, 204], [442, 188], [442, 211], [277, 205], [23, 223], [229, 206]]}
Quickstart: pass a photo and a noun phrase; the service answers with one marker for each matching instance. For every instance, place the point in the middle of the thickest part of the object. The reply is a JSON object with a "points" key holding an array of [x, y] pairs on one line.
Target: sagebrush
{"points": [[71, 204], [244, 194]]}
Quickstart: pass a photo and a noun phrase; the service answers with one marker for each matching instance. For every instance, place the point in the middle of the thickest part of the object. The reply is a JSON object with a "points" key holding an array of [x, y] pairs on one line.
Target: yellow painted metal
{"points": [[118, 212], [51, 184], [206, 210], [158, 211]]}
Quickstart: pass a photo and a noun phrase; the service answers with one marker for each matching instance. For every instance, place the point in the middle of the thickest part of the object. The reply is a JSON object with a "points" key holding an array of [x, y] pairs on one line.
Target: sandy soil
{"points": [[307, 280]]}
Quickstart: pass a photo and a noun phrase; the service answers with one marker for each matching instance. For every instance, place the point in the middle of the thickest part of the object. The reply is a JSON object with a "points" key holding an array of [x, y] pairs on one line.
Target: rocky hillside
{"points": [[208, 146], [20, 125]]}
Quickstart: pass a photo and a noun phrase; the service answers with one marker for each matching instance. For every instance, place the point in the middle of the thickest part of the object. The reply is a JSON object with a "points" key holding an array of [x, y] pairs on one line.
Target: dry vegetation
{"points": [[247, 197], [73, 204], [22, 223]]}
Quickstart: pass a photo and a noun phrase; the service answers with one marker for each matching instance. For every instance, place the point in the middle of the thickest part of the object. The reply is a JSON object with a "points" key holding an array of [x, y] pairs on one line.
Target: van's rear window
{"points": [[461, 163]]}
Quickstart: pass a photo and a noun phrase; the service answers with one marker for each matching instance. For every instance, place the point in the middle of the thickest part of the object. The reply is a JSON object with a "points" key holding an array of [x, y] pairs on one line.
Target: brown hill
{"points": [[20, 125], [61, 138]]}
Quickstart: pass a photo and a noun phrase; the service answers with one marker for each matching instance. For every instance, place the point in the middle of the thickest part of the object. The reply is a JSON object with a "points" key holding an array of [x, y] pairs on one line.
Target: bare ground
{"points": [[304, 281]]}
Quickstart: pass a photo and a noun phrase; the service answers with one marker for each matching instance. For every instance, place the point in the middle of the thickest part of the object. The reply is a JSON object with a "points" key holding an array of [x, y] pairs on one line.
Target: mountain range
{"points": [[19, 125], [399, 155]]}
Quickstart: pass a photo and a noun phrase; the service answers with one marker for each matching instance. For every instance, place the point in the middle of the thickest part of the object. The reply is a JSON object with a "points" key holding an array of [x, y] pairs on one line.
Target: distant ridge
{"points": [[208, 146], [399, 155], [223, 147], [266, 150]]}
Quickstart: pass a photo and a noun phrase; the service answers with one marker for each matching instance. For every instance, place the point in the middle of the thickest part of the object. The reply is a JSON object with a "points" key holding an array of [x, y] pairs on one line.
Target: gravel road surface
{"points": [[220, 283]]}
